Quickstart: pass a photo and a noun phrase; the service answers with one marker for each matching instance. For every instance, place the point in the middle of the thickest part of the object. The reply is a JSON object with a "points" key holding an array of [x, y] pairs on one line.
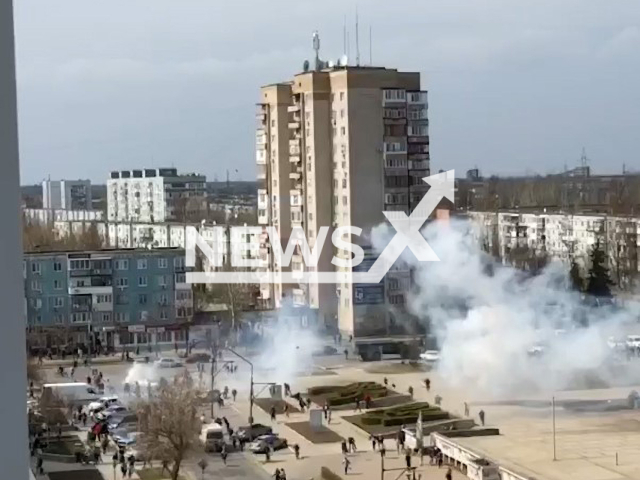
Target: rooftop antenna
{"points": [[344, 36], [370, 51], [316, 47], [357, 40], [583, 158]]}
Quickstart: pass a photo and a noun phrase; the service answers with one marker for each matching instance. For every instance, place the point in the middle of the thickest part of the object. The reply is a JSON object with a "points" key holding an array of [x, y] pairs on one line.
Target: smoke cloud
{"points": [[502, 332]]}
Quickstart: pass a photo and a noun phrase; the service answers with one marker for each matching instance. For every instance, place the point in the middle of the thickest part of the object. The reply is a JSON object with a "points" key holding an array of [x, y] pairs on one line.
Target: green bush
{"points": [[403, 414]]}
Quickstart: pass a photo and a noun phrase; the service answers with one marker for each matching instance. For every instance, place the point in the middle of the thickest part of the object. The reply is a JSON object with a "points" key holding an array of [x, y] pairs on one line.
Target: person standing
{"points": [[224, 454], [273, 413], [481, 415], [466, 409], [296, 450], [448, 474], [407, 457], [374, 442]]}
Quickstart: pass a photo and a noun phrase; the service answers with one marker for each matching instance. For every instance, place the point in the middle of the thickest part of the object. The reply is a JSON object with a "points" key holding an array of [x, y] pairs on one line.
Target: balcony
{"points": [[294, 125], [263, 199], [417, 98], [261, 157], [261, 138], [90, 290], [293, 108], [295, 175], [294, 148], [418, 164], [262, 172], [394, 96], [263, 218], [294, 159]]}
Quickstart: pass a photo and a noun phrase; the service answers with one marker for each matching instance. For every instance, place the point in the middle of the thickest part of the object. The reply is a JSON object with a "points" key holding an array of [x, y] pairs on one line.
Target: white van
{"points": [[70, 392], [212, 437]]}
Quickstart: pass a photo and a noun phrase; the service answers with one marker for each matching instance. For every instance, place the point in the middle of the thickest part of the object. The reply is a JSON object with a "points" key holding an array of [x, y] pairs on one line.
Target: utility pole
{"points": [[553, 419]]}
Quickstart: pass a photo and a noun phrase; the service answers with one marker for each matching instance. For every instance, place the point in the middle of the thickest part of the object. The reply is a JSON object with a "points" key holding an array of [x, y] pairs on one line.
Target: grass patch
{"points": [[336, 395], [397, 368], [266, 404], [319, 435], [391, 419], [64, 447], [155, 474]]}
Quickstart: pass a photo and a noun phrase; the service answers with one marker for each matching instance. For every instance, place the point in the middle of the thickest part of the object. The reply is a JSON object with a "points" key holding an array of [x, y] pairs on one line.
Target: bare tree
{"points": [[169, 423]]}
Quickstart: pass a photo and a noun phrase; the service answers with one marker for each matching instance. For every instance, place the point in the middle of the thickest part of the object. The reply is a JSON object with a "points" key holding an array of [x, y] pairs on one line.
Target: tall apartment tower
{"points": [[337, 147], [155, 195], [66, 194]]}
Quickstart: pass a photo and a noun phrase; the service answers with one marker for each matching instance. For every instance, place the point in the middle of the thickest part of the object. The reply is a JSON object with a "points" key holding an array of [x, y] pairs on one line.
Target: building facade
{"points": [[337, 147], [109, 297], [154, 195], [66, 195]]}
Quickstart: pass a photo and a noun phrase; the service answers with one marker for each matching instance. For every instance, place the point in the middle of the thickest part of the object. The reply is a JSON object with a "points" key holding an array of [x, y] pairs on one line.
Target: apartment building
{"points": [[337, 147], [66, 195], [124, 297], [155, 195], [563, 237]]}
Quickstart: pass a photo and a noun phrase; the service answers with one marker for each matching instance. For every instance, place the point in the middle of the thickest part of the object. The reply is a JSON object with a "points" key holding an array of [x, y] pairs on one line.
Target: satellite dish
{"points": [[330, 63], [343, 61], [305, 66]]}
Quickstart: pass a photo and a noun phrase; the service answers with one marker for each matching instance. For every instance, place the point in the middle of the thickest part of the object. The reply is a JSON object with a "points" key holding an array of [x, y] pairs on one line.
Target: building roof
{"points": [[105, 250]]}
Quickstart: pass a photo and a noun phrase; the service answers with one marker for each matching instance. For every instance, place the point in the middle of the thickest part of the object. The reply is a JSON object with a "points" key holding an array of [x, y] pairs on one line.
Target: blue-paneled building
{"points": [[134, 297]]}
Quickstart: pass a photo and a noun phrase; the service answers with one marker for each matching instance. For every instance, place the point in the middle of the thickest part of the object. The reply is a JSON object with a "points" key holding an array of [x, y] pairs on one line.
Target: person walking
{"points": [[328, 414], [224, 454], [352, 445], [448, 474], [481, 415], [296, 450], [286, 410], [427, 384], [466, 409], [374, 442], [234, 393], [347, 464], [273, 413], [344, 447], [407, 457], [437, 400]]}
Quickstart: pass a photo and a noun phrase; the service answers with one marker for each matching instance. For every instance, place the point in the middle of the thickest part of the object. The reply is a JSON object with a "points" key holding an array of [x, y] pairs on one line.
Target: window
{"points": [[342, 113], [163, 263], [163, 299], [163, 337], [142, 281], [142, 299], [142, 337], [122, 264], [344, 200], [57, 266], [164, 315], [181, 278], [58, 319], [38, 319], [35, 285], [122, 299], [104, 299], [142, 264], [58, 302], [80, 317], [35, 267], [178, 262], [182, 295], [341, 96], [106, 317], [162, 280], [343, 131], [122, 317], [344, 183], [57, 285], [84, 264], [122, 282]]}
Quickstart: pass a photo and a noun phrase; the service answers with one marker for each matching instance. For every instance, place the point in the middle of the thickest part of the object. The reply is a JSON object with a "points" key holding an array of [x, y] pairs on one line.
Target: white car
{"points": [[101, 404], [167, 363], [430, 356], [633, 341]]}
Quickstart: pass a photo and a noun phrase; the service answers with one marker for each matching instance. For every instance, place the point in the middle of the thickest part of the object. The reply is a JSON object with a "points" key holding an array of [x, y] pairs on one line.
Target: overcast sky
{"points": [[514, 86]]}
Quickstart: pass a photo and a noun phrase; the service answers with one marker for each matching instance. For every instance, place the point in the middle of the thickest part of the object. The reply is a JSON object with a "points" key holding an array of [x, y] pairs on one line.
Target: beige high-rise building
{"points": [[337, 147]]}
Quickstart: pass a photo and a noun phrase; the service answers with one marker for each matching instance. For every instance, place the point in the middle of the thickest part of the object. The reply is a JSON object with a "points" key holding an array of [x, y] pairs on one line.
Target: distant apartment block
{"points": [[134, 297], [154, 195], [337, 147], [48, 216], [66, 194]]}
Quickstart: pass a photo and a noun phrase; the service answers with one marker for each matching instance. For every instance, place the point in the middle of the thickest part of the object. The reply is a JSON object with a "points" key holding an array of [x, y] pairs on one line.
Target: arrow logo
{"points": [[408, 228]]}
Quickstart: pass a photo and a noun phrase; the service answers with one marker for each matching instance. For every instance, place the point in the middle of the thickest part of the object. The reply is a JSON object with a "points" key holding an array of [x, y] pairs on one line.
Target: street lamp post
{"points": [[251, 386]]}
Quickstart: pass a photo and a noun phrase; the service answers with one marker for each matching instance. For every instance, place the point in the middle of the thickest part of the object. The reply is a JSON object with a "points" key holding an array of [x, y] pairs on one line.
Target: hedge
{"points": [[403, 414], [344, 395]]}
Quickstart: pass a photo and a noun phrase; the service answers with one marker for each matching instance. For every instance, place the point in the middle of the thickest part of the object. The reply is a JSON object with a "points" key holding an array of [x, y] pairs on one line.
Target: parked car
{"points": [[256, 430], [101, 404], [272, 441], [110, 411], [198, 358], [118, 422], [212, 437], [127, 440], [430, 356], [167, 363]]}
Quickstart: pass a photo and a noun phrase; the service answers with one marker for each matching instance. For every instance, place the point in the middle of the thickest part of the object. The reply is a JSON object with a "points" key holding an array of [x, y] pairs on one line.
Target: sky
{"points": [[515, 87]]}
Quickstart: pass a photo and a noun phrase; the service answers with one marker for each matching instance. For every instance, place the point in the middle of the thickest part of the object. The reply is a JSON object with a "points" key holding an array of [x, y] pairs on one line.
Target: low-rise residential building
{"points": [[111, 298], [563, 237]]}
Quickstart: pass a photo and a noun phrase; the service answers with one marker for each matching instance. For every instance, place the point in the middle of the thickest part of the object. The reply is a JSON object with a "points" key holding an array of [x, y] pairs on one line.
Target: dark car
{"points": [[254, 431], [121, 421], [272, 442], [326, 350], [198, 358]]}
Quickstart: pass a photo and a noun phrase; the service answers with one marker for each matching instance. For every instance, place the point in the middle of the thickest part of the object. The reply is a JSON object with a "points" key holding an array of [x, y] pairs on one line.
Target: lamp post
{"points": [[251, 386], [553, 420]]}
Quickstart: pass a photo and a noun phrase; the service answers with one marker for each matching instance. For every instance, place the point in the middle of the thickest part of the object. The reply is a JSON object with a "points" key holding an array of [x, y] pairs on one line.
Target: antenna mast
{"points": [[344, 36], [316, 47], [370, 50], [357, 41]]}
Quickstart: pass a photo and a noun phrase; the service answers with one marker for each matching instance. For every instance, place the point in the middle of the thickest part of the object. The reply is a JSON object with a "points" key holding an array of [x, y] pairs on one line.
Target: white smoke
{"points": [[487, 319]]}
